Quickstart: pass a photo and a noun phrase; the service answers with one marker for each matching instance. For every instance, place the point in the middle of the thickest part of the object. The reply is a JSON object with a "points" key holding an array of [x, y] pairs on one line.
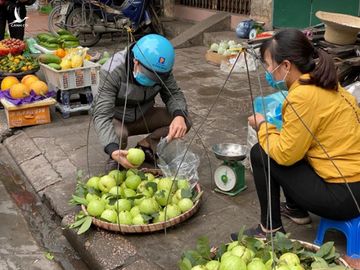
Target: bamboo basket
{"points": [[306, 245], [152, 227]]}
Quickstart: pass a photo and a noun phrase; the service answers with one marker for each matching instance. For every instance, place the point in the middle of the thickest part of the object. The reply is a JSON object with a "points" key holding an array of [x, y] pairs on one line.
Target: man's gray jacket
{"points": [[109, 101]]}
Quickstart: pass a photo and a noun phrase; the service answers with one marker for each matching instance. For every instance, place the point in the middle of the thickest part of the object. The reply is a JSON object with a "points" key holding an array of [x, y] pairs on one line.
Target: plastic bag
{"points": [[273, 106], [240, 65], [250, 142], [354, 89], [172, 161]]}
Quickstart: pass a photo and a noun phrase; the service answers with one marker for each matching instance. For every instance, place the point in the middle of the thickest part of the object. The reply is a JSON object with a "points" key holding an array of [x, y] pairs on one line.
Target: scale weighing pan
{"points": [[230, 151]]}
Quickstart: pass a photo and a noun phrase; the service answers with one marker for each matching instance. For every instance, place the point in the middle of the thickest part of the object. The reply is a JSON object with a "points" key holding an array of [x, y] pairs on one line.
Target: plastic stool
{"points": [[351, 229]]}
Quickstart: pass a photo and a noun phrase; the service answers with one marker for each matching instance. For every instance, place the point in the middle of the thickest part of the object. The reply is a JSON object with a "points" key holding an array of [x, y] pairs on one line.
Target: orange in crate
{"points": [[35, 113]]}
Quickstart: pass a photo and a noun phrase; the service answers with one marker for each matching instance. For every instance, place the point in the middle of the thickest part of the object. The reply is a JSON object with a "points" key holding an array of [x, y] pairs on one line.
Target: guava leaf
{"points": [[76, 200], [49, 256], [324, 249], [253, 243], [146, 217], [220, 251], [319, 263], [203, 247], [197, 196], [77, 223], [155, 215], [142, 175], [241, 234], [263, 254], [152, 185], [86, 225], [79, 175], [185, 264], [139, 196], [194, 257], [282, 243], [186, 193]]}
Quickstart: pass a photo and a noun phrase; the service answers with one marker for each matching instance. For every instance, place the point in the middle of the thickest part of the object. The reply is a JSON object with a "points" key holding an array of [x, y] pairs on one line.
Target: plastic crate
{"points": [[88, 75]]}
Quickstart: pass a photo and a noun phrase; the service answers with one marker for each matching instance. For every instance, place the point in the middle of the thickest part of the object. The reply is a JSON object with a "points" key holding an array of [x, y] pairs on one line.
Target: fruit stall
{"points": [[43, 71]]}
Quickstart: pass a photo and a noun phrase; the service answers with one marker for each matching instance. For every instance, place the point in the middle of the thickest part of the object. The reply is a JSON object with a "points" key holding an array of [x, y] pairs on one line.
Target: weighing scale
{"points": [[230, 176]]}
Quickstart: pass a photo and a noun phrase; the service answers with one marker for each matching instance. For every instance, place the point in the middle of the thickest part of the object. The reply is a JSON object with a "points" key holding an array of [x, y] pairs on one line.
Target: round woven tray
{"points": [[152, 227], [307, 245], [18, 75]]}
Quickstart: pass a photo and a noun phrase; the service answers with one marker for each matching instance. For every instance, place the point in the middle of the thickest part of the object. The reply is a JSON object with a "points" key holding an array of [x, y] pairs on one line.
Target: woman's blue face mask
{"points": [[278, 85]]}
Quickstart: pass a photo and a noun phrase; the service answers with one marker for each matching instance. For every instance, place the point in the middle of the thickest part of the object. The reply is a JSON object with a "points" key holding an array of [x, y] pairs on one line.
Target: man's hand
{"points": [[259, 119], [120, 157], [177, 128]]}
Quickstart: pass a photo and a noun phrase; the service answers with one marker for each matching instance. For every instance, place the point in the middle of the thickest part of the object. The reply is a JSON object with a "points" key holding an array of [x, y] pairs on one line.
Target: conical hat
{"points": [[340, 28]]}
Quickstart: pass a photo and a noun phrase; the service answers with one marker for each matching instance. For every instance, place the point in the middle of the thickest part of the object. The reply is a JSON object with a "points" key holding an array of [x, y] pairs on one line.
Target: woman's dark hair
{"points": [[293, 45]]}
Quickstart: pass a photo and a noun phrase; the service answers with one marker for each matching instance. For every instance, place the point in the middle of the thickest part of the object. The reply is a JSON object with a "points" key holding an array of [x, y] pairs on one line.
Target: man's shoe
{"points": [[150, 156], [257, 232], [298, 216]]}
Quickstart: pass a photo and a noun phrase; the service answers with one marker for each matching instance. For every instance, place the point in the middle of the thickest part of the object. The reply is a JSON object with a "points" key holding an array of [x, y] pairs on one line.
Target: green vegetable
{"points": [[52, 40], [44, 37], [54, 66], [50, 46], [103, 60], [71, 44], [69, 38], [62, 32], [49, 58]]}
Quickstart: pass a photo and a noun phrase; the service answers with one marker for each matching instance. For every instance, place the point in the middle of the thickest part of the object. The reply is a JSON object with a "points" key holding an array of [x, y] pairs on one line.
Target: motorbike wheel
{"points": [[77, 18], [56, 20]]}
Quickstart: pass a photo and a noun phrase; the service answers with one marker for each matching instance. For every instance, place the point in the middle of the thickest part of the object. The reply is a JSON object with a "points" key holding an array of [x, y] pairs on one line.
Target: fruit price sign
{"points": [[134, 201]]}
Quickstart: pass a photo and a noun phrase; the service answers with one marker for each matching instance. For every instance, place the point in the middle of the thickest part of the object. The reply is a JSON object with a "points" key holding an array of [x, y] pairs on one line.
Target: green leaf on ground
{"points": [[86, 225], [49, 256]]}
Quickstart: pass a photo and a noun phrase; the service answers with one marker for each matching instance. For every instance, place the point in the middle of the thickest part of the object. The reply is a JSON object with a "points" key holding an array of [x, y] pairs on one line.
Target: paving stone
{"points": [[50, 149], [21, 147], [65, 169], [58, 195], [40, 173]]}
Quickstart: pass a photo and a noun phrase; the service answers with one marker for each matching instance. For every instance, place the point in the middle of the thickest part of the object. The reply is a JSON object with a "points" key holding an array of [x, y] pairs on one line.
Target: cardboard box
{"points": [[215, 58], [35, 113]]}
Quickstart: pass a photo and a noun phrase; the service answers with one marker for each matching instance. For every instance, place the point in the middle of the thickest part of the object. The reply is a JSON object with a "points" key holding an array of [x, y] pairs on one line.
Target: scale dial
{"points": [[225, 178]]}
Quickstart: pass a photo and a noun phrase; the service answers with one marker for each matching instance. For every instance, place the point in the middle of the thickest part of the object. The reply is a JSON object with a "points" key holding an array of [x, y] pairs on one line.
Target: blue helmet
{"points": [[155, 52]]}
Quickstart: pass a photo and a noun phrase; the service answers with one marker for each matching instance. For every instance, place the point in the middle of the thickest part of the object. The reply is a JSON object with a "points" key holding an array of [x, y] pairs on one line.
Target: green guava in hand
{"points": [[135, 156]]}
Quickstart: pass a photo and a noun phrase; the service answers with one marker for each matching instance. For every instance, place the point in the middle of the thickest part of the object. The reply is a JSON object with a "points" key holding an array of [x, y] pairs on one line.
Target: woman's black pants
{"points": [[303, 189]]}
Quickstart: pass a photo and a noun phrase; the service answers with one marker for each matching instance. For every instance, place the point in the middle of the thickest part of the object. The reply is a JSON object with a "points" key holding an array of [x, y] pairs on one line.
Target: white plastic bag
{"points": [[174, 160], [251, 141], [354, 89]]}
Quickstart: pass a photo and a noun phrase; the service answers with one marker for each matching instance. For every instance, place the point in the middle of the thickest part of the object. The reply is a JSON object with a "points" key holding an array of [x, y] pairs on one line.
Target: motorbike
{"points": [[90, 19]]}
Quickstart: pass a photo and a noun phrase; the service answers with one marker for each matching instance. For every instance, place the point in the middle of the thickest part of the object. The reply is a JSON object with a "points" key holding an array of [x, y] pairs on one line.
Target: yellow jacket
{"points": [[333, 121]]}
